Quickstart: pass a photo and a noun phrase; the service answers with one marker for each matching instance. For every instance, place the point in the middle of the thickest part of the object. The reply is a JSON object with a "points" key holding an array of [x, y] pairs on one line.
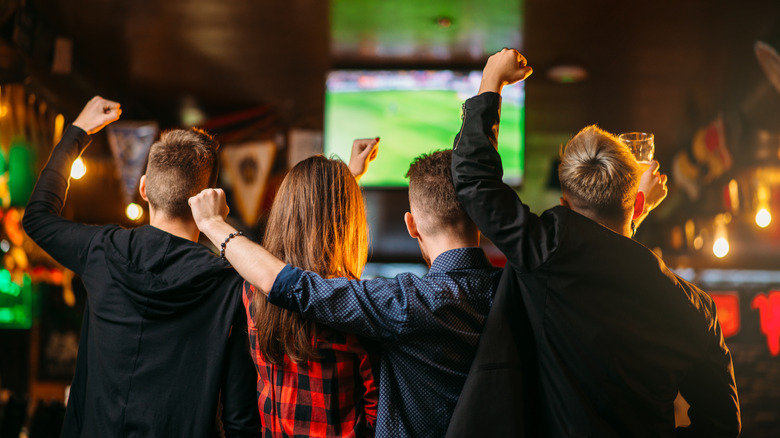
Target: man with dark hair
{"points": [[164, 332], [438, 210], [172, 175], [615, 334], [428, 327]]}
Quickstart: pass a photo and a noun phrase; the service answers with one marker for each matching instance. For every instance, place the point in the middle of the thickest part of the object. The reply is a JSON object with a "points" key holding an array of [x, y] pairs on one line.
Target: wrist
{"points": [[216, 229], [490, 85]]}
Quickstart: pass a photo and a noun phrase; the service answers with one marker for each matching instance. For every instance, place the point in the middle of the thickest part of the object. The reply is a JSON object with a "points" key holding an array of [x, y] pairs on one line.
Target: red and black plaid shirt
{"points": [[335, 396]]}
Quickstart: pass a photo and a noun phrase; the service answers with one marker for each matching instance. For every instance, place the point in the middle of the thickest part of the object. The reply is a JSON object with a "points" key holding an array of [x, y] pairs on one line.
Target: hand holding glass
{"points": [[642, 145]]}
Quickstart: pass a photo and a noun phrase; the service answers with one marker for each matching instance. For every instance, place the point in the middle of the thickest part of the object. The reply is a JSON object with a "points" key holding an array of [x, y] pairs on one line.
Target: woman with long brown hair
{"points": [[313, 381]]}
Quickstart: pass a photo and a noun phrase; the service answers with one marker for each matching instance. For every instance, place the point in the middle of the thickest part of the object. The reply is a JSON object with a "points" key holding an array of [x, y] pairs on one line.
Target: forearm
{"points": [[52, 187], [376, 309], [256, 265], [59, 237]]}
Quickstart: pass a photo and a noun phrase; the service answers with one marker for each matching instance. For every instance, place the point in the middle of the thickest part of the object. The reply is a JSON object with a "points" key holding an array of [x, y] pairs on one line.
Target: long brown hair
{"points": [[317, 223]]}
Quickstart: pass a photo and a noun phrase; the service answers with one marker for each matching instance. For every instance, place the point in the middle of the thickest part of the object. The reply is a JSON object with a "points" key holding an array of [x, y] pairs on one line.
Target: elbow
{"points": [[29, 222]]}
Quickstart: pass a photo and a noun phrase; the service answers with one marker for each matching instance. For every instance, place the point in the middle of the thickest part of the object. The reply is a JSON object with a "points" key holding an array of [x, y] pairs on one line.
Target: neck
{"points": [[621, 226], [433, 246], [184, 228]]}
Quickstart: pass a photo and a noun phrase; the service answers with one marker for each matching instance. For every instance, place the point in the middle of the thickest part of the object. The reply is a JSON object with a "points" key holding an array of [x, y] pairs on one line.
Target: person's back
{"points": [[313, 381], [163, 327], [617, 335], [428, 327]]}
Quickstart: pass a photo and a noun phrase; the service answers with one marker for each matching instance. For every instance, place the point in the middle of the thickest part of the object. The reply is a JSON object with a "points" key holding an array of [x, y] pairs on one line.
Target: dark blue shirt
{"points": [[428, 328]]}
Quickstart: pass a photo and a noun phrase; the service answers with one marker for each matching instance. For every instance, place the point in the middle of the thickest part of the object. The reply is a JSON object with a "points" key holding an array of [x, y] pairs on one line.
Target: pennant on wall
{"points": [[707, 159], [130, 142], [248, 166], [770, 62]]}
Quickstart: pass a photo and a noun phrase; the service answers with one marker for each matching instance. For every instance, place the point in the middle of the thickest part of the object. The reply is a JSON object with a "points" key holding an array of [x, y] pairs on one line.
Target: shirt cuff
{"points": [[487, 97], [280, 294]]}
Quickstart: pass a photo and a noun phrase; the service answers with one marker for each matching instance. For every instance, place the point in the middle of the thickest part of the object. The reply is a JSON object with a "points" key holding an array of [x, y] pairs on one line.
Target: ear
{"points": [[142, 188], [411, 226], [639, 205], [564, 202]]}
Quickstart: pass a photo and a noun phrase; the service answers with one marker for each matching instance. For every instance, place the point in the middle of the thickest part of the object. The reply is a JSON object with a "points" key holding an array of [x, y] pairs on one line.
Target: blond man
{"points": [[589, 334]]}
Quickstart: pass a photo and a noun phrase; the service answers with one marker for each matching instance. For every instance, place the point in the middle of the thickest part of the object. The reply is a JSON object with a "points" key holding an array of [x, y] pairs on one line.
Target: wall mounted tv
{"points": [[414, 112]]}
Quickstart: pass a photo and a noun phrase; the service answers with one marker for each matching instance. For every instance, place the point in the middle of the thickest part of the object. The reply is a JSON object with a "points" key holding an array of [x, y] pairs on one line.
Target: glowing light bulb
{"points": [[134, 211], [721, 247], [78, 169], [763, 218]]}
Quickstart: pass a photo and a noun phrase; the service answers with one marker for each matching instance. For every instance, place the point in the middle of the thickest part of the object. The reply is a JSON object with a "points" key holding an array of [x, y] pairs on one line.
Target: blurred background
{"points": [[279, 81]]}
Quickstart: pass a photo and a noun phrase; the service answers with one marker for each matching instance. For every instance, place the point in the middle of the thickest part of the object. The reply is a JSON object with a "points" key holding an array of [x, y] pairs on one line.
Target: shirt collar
{"points": [[472, 257]]}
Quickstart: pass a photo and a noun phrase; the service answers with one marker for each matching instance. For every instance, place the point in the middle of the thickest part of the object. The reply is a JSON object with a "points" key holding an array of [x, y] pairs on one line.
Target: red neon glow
{"points": [[768, 306], [728, 312]]}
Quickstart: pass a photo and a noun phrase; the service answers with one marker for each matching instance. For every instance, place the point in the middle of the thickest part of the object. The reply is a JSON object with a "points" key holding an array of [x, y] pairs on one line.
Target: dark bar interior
{"points": [[276, 82]]}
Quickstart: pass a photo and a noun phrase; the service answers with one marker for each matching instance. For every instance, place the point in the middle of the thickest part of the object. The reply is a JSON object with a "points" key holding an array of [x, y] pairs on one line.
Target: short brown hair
{"points": [[318, 223], [598, 173], [432, 193], [181, 164]]}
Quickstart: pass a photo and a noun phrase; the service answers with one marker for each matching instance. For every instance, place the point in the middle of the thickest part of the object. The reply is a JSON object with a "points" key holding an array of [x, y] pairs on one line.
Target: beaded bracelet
{"points": [[227, 239]]}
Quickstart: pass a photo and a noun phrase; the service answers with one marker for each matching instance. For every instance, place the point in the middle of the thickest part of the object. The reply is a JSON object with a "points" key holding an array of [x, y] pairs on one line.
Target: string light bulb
{"points": [[763, 218], [78, 169], [721, 246], [134, 211]]}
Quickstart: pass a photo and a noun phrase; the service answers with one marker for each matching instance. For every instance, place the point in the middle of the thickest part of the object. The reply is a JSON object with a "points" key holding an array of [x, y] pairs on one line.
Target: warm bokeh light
{"points": [[59, 125], [134, 211], [721, 247], [763, 218], [78, 169]]}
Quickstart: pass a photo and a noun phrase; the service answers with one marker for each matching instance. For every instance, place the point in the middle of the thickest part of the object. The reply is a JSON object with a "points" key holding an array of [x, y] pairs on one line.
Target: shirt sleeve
{"points": [[710, 387], [368, 367], [240, 417], [524, 238], [64, 240], [377, 309]]}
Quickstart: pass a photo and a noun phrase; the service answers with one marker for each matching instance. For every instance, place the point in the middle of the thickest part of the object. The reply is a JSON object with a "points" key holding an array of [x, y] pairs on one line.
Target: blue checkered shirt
{"points": [[428, 328]]}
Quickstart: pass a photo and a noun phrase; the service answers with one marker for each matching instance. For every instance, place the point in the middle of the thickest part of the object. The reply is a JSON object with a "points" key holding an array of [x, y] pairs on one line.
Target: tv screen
{"points": [[413, 112]]}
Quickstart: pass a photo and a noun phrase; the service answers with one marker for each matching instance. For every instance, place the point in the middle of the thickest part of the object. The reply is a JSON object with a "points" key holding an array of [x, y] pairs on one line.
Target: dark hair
{"points": [[317, 222], [181, 164], [432, 194]]}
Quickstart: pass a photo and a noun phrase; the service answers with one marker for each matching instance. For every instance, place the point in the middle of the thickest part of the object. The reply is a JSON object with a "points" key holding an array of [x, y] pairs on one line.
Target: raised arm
{"points": [[364, 151], [653, 185], [61, 238], [476, 170]]}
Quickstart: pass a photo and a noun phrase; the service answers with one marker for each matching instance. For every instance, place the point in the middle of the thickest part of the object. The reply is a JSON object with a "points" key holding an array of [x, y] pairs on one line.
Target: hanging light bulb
{"points": [[721, 246], [134, 211], [763, 218], [78, 169]]}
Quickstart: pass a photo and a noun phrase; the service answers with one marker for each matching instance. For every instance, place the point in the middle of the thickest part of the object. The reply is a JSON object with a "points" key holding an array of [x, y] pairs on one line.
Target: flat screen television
{"points": [[413, 112]]}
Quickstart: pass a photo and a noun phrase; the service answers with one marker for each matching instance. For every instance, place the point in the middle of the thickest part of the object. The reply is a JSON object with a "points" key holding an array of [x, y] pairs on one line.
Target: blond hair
{"points": [[598, 173]]}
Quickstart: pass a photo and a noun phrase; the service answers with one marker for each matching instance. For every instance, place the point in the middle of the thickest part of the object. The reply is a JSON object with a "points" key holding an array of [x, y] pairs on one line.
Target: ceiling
{"points": [[662, 66], [666, 67]]}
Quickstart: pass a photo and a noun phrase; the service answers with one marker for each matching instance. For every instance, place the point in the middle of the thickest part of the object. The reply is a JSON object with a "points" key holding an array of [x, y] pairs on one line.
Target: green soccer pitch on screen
{"points": [[413, 112]]}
